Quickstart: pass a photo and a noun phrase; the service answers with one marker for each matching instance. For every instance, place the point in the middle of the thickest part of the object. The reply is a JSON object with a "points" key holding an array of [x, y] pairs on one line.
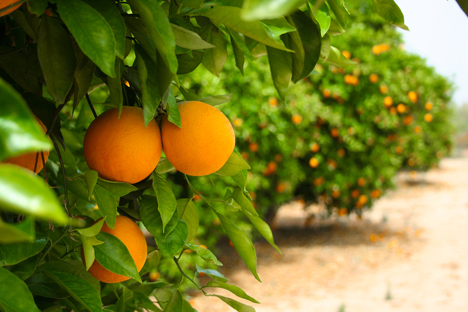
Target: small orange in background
{"points": [[253, 195], [351, 80], [417, 129], [361, 181], [315, 147], [392, 137], [154, 276], [273, 102], [411, 162], [408, 119], [373, 238], [399, 149], [238, 122], [313, 162], [393, 111], [326, 93], [428, 106], [319, 181], [439, 154], [196, 197], [336, 193], [355, 193], [270, 169], [376, 193], [278, 157], [281, 187], [245, 155], [333, 164], [334, 132], [401, 108], [413, 96], [362, 199], [342, 212], [428, 117], [203, 246], [187, 251], [262, 125], [341, 152], [253, 147], [373, 78], [388, 101], [350, 130], [346, 54], [383, 89], [296, 119]]}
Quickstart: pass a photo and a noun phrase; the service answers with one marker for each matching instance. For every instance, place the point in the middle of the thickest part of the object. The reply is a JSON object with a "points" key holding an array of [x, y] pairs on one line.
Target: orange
{"points": [[336, 193], [401, 108], [362, 199], [315, 147], [6, 3], [399, 149], [408, 119], [376, 193], [245, 155], [413, 96], [361, 181], [393, 111], [132, 237], [319, 181], [154, 276], [313, 162], [388, 101], [351, 80], [296, 119], [428, 117], [270, 169], [123, 149], [383, 89], [341, 152], [428, 106], [334, 132], [373, 78], [417, 129], [342, 212], [355, 193], [326, 93], [238, 122], [278, 157], [346, 54], [28, 160], [253, 147], [203, 144], [281, 187], [273, 101]]}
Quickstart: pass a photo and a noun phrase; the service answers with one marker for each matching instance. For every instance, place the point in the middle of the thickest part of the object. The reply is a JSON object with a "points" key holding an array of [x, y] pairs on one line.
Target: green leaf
{"points": [[277, 27], [325, 48], [268, 9], [83, 76], [238, 55], [91, 31], [14, 294], [310, 44], [160, 30], [151, 218], [175, 240], [391, 12], [114, 256], [205, 254], [214, 59], [173, 114], [17, 232], [337, 58], [91, 178], [88, 251], [79, 289], [230, 17], [147, 71], [109, 10], [37, 6], [263, 228], [241, 242], [93, 230], [188, 39], [246, 205], [15, 64], [15, 253], [152, 261], [189, 214], [175, 303], [115, 87], [118, 189], [189, 63], [463, 5], [107, 204], [233, 165], [233, 289], [25, 268], [24, 193], [20, 18], [57, 58], [16, 121], [340, 15], [281, 69], [217, 99], [167, 202], [213, 274], [164, 166], [236, 305], [322, 16], [240, 178]]}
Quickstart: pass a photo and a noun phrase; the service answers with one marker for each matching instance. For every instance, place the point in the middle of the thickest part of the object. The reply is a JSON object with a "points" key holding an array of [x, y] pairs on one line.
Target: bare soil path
{"points": [[416, 261]]}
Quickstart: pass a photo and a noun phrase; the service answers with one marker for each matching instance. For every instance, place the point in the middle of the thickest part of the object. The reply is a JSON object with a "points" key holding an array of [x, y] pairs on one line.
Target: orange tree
{"points": [[103, 77]]}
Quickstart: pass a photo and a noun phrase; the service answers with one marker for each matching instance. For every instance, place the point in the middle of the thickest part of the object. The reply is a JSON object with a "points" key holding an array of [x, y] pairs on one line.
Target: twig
{"points": [[52, 245], [91, 105], [54, 118], [63, 171]]}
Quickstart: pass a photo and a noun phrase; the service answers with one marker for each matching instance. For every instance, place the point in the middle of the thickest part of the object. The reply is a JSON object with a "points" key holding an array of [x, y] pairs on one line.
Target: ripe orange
{"points": [[315, 147], [361, 181], [428, 117], [428, 106], [342, 212], [270, 169], [154, 276], [5, 3], [401, 108], [28, 160], [355, 193], [341, 152], [362, 199], [313, 162], [238, 122], [336, 193], [346, 54], [296, 119], [253, 147], [373, 78], [393, 111], [281, 187], [319, 181], [408, 119], [123, 149], [399, 149], [383, 89], [417, 129], [351, 80], [376, 193], [203, 144], [132, 237], [388, 101], [413, 96], [334, 132], [273, 101], [245, 155], [326, 93]]}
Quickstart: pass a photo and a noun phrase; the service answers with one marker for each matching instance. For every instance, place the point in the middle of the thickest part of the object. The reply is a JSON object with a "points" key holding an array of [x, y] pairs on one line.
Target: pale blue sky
{"points": [[438, 32]]}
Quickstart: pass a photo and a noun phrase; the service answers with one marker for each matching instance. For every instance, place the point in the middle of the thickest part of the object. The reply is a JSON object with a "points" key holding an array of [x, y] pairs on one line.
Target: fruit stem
{"points": [[91, 106]]}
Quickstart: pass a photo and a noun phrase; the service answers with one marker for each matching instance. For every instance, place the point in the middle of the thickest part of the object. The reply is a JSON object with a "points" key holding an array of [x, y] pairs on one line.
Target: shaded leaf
{"points": [[17, 232], [173, 113], [91, 178], [281, 69], [107, 204], [188, 39], [189, 214], [232, 288], [246, 205], [337, 58], [167, 203], [215, 58], [217, 99], [164, 166], [391, 12], [175, 240], [236, 305], [14, 294]]}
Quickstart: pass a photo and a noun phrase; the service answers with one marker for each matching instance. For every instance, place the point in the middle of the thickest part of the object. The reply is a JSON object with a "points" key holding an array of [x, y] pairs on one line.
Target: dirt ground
{"points": [[415, 261]]}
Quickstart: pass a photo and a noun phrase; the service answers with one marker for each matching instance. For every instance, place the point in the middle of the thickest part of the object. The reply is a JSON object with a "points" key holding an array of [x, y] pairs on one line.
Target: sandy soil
{"points": [[415, 261]]}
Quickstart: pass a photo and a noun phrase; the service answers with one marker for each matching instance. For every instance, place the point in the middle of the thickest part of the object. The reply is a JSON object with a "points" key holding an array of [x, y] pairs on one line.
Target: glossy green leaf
{"points": [[263, 228], [37, 6], [325, 48], [277, 27], [108, 9], [107, 204], [233, 289], [167, 202], [213, 274], [391, 12], [173, 113], [175, 303], [117, 189], [11, 254], [114, 256], [242, 243], [91, 31], [215, 58], [24, 193], [17, 232], [269, 9], [152, 261], [240, 178], [91, 178], [164, 166], [160, 30], [79, 289], [151, 218], [115, 87], [281, 69], [56, 56], [238, 55], [25, 268], [175, 240], [236, 305], [205, 254], [14, 294], [88, 251], [189, 63], [189, 214], [217, 99], [233, 165], [83, 76], [93, 230], [230, 17], [188, 39], [322, 16], [246, 205], [147, 71], [337, 58], [339, 14]]}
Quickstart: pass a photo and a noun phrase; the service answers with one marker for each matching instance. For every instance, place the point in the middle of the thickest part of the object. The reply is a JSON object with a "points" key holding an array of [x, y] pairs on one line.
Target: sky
{"points": [[438, 32]]}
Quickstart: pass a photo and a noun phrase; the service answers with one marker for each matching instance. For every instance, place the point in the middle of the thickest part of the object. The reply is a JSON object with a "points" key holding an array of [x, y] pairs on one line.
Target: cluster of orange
{"points": [[380, 48]]}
